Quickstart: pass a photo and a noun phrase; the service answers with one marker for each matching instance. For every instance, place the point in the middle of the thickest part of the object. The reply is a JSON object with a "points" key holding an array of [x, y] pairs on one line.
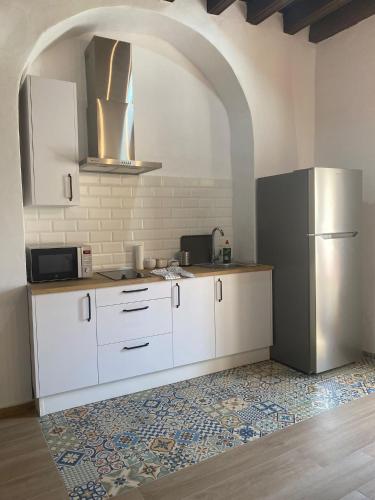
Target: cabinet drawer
{"points": [[134, 357], [132, 293], [134, 320]]}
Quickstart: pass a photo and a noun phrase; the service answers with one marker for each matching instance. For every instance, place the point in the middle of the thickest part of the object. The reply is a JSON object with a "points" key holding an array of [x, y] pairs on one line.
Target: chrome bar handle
{"points": [[70, 187]]}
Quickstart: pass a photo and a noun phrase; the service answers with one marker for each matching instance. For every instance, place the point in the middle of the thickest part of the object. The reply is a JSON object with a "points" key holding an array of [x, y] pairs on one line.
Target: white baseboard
{"points": [[88, 395]]}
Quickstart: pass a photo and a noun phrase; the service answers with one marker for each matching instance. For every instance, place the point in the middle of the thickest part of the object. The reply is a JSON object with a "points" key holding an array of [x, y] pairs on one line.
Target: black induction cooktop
{"points": [[122, 274]]}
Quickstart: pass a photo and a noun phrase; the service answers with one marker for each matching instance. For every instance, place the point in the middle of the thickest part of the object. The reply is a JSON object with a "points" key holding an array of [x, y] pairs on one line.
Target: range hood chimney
{"points": [[110, 111]]}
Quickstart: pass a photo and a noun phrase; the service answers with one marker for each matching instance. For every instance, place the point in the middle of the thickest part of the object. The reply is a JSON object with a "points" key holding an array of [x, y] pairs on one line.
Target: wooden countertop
{"points": [[98, 281]]}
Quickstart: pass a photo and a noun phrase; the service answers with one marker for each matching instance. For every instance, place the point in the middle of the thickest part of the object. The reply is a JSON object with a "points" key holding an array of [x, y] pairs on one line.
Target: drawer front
{"points": [[133, 320], [132, 293], [134, 357]]}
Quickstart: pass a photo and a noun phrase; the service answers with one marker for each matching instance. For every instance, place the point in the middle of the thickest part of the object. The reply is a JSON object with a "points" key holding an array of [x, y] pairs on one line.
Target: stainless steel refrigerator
{"points": [[308, 227]]}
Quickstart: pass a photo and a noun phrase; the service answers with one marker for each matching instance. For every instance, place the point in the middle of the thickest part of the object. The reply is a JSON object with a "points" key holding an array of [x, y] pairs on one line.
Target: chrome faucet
{"points": [[214, 258]]}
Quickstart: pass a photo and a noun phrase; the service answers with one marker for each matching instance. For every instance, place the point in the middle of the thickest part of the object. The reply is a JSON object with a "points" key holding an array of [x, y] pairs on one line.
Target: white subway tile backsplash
{"points": [[76, 213], [46, 213], [152, 234], [116, 247], [64, 225], [152, 203], [132, 202], [150, 213], [163, 192], [124, 192], [30, 213], [32, 238], [119, 211], [52, 238], [99, 213], [99, 236], [102, 260], [170, 202], [34, 226], [143, 192], [123, 213], [111, 180], [90, 201], [107, 225], [77, 237], [123, 259], [133, 224], [99, 191], [122, 235], [86, 178], [88, 225], [152, 180], [111, 202], [131, 180]]}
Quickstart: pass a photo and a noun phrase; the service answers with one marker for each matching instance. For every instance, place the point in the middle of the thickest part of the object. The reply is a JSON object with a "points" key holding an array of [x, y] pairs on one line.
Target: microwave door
{"points": [[54, 264]]}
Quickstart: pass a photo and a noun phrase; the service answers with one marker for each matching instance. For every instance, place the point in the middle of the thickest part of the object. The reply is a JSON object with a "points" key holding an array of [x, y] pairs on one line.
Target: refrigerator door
{"points": [[336, 299], [335, 200]]}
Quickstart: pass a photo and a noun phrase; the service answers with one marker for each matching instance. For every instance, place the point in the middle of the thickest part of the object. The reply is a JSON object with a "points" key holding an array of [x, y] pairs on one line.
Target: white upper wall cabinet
{"points": [[49, 142]]}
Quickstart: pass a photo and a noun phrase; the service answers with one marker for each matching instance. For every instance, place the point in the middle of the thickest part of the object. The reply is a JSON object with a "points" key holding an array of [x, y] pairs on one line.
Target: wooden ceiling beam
{"points": [[343, 18], [218, 6], [259, 10], [306, 12]]}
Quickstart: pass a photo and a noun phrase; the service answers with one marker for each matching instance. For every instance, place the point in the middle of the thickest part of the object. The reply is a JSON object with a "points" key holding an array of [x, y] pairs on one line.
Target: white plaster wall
{"points": [[274, 70], [345, 128]]}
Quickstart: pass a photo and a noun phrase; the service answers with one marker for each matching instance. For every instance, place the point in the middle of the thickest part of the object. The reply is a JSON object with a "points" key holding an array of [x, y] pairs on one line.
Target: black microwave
{"points": [[58, 262]]}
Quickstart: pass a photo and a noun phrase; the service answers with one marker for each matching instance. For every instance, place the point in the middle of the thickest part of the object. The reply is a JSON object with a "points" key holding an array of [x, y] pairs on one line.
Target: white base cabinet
{"points": [[134, 357], [193, 320], [243, 312], [65, 346], [86, 338]]}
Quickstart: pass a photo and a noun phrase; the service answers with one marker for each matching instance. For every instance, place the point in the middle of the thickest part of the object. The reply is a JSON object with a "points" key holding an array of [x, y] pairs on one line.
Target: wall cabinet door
{"points": [[49, 140], [243, 312], [65, 341], [193, 320]]}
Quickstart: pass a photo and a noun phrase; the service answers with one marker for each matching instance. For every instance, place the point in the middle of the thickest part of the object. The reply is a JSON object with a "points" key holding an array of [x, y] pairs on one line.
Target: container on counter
{"points": [[139, 256], [227, 253], [149, 263]]}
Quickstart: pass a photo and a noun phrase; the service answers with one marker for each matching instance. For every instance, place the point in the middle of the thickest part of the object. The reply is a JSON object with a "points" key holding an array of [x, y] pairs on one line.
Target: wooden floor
{"points": [[331, 456]]}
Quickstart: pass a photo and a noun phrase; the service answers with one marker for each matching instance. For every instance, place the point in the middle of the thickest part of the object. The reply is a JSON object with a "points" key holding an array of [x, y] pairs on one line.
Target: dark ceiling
{"points": [[325, 18]]}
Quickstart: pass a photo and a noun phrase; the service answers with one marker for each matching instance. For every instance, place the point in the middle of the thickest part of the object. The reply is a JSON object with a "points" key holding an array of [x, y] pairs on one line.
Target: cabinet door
{"points": [[193, 320], [243, 312], [54, 140], [66, 347]]}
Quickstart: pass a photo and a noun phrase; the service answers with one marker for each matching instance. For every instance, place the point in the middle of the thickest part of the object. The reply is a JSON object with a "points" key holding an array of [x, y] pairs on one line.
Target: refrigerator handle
{"points": [[332, 236]]}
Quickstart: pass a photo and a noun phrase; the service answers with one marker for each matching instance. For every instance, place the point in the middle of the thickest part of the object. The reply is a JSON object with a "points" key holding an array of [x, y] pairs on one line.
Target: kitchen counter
{"points": [[98, 281]]}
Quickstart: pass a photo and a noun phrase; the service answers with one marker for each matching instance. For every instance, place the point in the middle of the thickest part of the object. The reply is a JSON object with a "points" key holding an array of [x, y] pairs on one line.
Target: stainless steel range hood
{"points": [[110, 110]]}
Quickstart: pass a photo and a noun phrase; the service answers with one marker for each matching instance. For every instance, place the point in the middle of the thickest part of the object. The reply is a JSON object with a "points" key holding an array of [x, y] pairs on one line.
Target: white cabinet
{"points": [[65, 346], [134, 320], [243, 312], [193, 320], [132, 293], [49, 142], [135, 357]]}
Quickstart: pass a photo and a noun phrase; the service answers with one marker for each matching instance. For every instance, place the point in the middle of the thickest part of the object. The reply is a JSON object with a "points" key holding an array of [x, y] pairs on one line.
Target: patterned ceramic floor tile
{"points": [[106, 448]]}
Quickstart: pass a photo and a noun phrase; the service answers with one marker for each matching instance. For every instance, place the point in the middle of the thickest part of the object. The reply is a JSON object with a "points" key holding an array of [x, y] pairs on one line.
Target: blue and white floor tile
{"points": [[106, 448]]}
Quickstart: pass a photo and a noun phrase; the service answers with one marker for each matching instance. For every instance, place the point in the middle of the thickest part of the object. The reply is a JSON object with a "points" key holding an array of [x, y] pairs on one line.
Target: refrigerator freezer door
{"points": [[335, 200], [336, 271]]}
